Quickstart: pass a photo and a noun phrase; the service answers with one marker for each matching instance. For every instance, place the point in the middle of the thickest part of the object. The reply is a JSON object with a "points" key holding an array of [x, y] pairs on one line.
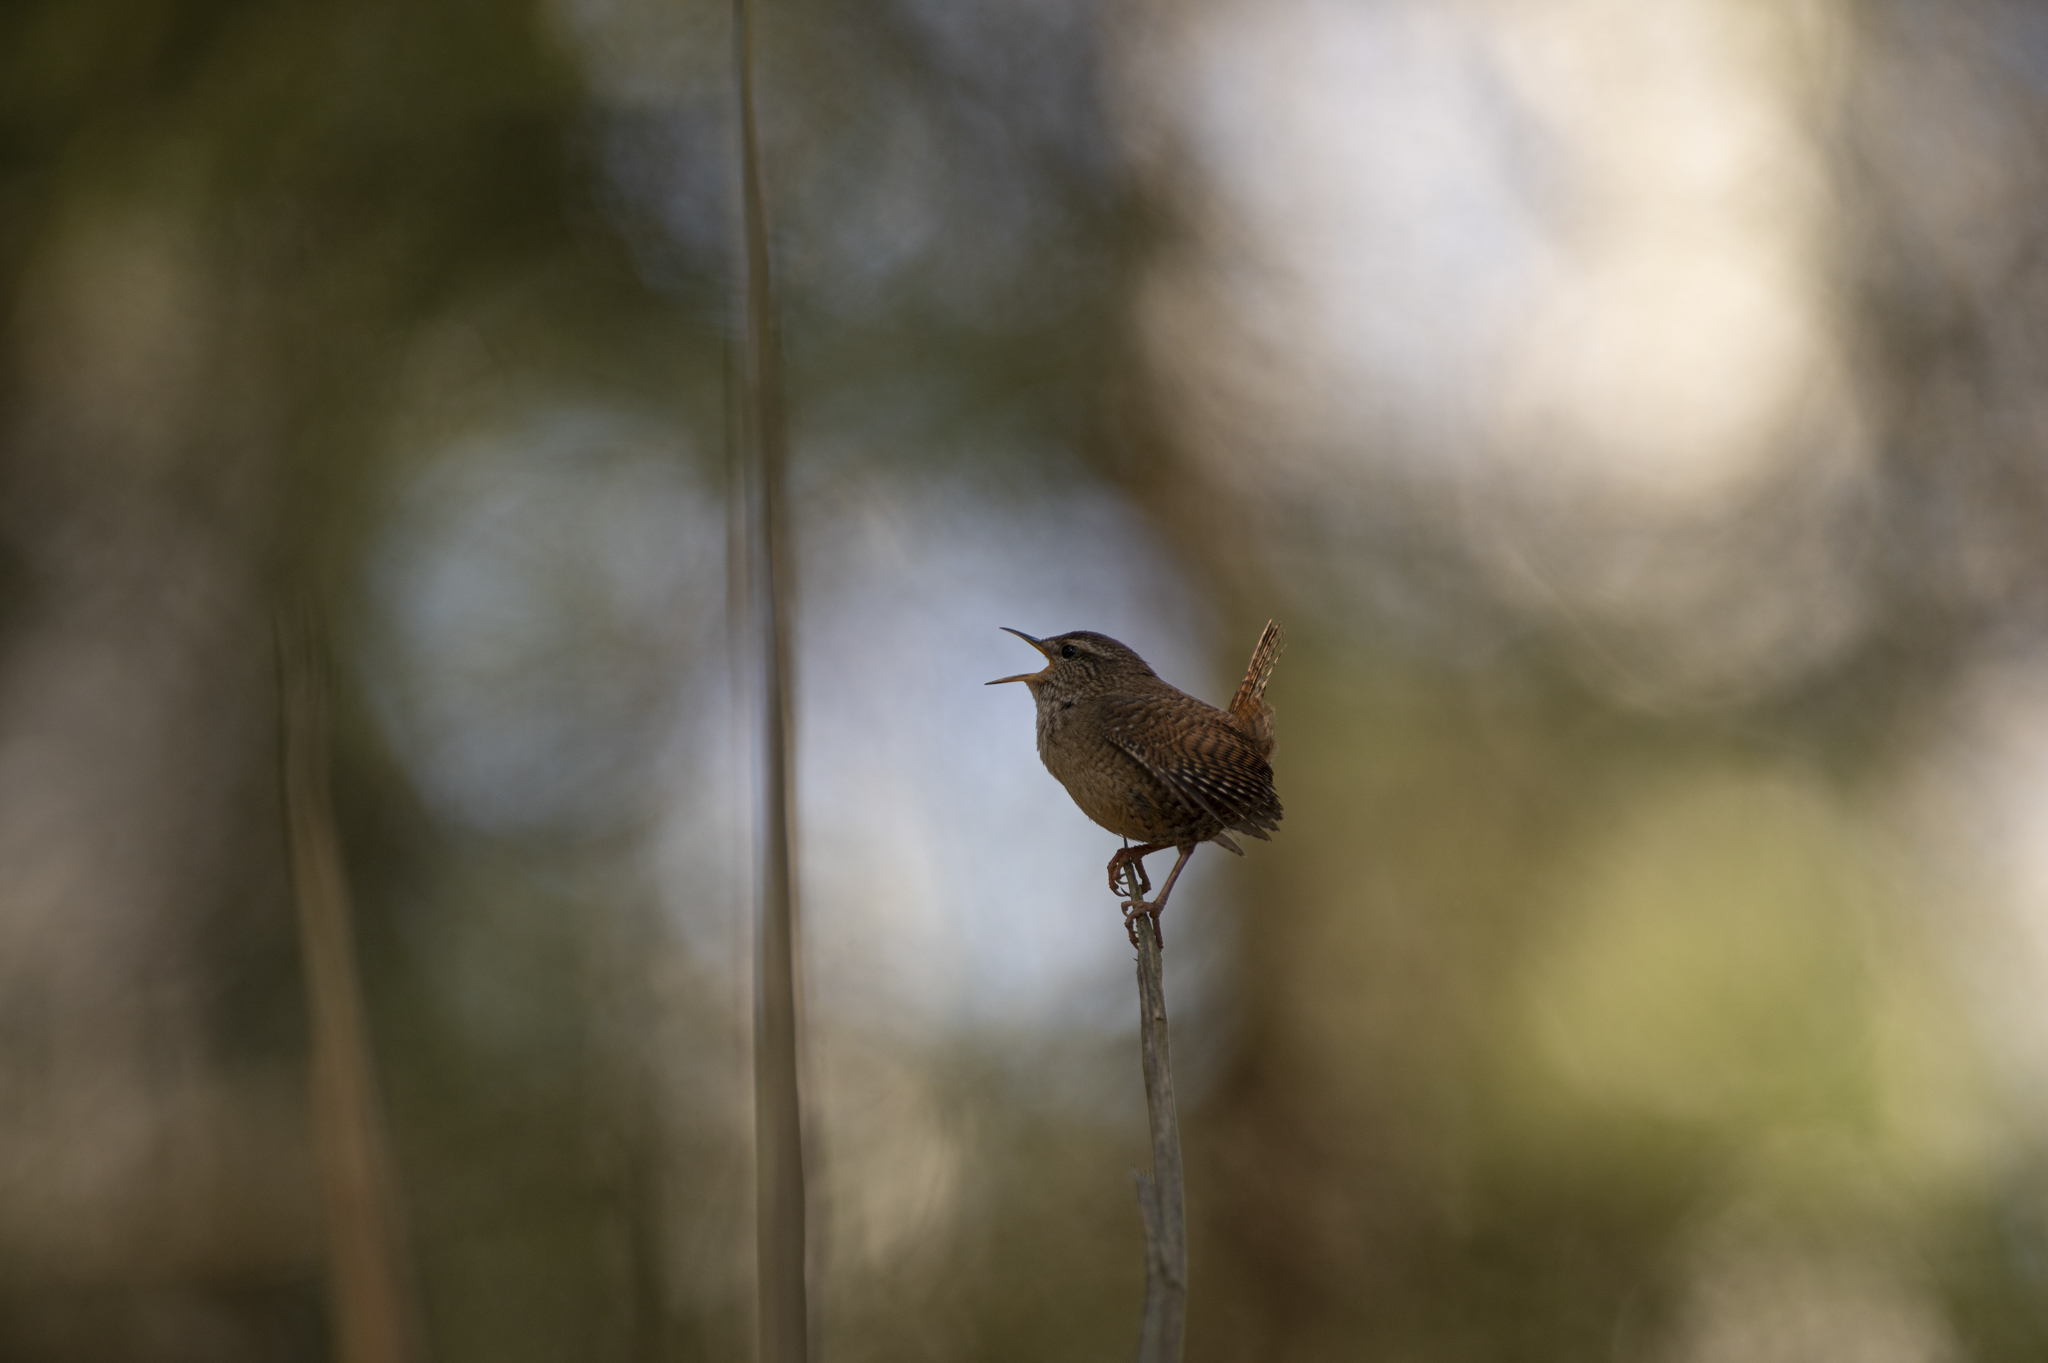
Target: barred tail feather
{"points": [[1249, 706]]}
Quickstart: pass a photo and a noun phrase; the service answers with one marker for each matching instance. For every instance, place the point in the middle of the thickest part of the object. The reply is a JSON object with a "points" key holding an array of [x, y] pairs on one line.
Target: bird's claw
{"points": [[1128, 881], [1134, 909], [1123, 861]]}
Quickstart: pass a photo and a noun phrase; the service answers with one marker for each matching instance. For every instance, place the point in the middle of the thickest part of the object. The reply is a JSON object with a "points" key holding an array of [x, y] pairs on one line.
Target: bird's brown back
{"points": [[1212, 770]]}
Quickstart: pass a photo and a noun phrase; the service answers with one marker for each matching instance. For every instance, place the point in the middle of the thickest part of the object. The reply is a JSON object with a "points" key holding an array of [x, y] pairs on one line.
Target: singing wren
{"points": [[1147, 760]]}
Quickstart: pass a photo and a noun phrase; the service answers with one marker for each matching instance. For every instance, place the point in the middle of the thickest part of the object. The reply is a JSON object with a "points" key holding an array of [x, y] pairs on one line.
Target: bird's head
{"points": [[1077, 664]]}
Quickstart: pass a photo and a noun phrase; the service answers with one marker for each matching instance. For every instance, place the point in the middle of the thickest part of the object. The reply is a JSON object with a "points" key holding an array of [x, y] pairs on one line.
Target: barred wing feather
{"points": [[1213, 768]]}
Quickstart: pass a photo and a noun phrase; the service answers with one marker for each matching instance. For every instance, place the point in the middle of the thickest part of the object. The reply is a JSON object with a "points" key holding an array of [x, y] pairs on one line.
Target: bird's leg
{"points": [[1158, 906], [1136, 904], [1133, 857]]}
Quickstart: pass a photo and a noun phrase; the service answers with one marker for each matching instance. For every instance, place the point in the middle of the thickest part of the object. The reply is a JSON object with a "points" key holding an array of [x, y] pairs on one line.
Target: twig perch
{"points": [[1162, 1198]]}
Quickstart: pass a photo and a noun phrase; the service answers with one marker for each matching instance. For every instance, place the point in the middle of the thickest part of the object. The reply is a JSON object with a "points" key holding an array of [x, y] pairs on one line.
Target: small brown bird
{"points": [[1148, 761]]}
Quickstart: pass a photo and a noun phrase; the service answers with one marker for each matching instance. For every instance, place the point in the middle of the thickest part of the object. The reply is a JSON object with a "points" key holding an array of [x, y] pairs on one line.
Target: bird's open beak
{"points": [[1024, 676]]}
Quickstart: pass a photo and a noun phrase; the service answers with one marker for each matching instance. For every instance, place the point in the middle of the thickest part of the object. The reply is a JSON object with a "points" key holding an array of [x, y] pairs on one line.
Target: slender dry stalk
{"points": [[376, 1316], [780, 1227], [1162, 1198]]}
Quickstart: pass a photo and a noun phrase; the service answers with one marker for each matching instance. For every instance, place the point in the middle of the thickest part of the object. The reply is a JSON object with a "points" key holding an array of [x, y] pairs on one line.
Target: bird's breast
{"points": [[1107, 783]]}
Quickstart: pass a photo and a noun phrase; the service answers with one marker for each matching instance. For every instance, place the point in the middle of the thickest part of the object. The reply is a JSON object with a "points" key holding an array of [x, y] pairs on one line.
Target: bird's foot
{"points": [[1132, 858], [1135, 909]]}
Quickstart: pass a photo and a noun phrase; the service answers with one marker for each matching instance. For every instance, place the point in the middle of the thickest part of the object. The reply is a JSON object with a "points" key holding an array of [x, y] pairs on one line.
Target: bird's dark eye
{"points": [[1069, 651]]}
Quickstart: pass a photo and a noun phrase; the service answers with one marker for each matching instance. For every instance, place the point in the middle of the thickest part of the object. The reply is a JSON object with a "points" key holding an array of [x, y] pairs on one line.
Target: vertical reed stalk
{"points": [[780, 1226], [376, 1319]]}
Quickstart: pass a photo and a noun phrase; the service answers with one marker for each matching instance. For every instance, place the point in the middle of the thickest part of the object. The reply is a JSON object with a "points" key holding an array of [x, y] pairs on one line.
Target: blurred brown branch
{"points": [[374, 1313]]}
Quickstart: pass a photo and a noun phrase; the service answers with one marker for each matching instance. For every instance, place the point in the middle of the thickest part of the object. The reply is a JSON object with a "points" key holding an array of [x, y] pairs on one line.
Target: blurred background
{"points": [[1634, 411]]}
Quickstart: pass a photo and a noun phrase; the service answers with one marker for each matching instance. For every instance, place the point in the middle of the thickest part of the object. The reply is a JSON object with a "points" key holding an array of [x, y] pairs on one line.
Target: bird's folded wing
{"points": [[1210, 767]]}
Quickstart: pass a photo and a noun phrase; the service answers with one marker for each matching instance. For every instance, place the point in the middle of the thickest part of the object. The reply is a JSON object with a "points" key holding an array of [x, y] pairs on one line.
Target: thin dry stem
{"points": [[781, 1228], [1162, 1198], [376, 1317]]}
